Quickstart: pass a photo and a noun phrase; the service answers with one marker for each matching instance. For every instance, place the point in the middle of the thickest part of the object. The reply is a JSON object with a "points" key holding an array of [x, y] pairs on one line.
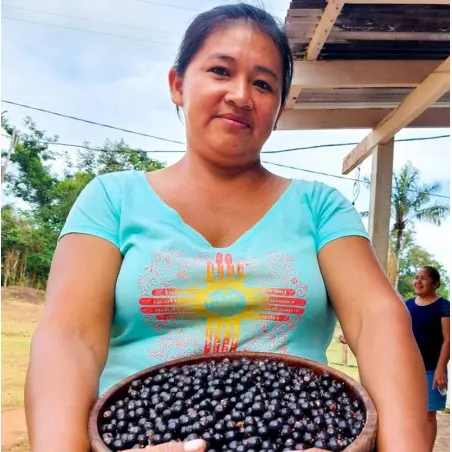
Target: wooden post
{"points": [[380, 200]]}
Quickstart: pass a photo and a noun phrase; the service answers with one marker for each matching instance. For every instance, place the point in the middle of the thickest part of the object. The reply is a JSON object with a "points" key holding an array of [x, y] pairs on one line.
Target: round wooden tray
{"points": [[365, 442]]}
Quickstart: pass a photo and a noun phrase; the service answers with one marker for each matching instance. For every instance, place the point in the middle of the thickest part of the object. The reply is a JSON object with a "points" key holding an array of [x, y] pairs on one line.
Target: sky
{"points": [[108, 61]]}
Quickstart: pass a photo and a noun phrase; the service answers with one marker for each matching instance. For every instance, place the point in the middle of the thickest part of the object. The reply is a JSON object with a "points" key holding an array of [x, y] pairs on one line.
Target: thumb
{"points": [[196, 445]]}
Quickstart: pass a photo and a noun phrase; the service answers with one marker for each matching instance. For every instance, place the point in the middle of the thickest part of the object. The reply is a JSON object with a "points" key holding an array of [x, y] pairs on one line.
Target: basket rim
{"points": [[369, 429]]}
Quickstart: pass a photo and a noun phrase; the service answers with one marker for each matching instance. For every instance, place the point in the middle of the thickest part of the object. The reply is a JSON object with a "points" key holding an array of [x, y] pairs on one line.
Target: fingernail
{"points": [[194, 445]]}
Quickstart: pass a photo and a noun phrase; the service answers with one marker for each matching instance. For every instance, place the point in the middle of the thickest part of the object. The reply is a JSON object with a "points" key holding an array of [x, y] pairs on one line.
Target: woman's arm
{"points": [[377, 327], [440, 378], [70, 345]]}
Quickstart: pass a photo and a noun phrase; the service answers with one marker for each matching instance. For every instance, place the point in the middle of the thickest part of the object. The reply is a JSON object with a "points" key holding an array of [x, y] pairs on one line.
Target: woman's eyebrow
{"points": [[257, 68]]}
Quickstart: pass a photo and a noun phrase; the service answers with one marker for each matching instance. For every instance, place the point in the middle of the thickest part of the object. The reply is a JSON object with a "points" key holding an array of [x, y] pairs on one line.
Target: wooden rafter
{"points": [[326, 23], [355, 119], [428, 92], [402, 2], [361, 74]]}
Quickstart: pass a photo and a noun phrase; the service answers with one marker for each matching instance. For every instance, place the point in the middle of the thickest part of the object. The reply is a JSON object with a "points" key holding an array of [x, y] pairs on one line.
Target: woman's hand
{"points": [[439, 379], [197, 445]]}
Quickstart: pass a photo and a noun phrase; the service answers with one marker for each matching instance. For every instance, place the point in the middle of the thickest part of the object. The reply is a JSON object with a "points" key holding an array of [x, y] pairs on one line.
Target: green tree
{"points": [[115, 156], [27, 248], [29, 237], [412, 201], [412, 258]]}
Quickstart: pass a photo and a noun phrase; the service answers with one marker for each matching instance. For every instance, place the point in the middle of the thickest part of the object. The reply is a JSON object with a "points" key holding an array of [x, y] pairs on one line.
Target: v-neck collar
{"points": [[198, 237]]}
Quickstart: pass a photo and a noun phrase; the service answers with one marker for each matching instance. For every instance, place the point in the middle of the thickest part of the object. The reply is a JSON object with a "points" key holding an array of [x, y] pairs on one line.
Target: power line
{"points": [[92, 122], [309, 171], [169, 6], [264, 152], [70, 16], [280, 151], [435, 137], [86, 30], [97, 149], [356, 180], [337, 176]]}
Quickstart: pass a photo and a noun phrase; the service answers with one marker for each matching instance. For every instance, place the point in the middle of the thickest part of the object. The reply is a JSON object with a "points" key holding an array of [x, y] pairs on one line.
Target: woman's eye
{"points": [[223, 72], [263, 85]]}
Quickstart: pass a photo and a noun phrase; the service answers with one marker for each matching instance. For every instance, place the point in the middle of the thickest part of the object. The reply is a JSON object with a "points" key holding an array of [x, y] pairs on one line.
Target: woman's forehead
{"points": [[241, 41], [423, 273]]}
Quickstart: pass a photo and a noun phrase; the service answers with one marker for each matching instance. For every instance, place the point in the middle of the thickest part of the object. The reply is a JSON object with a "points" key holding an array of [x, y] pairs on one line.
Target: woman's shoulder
{"points": [[410, 301], [118, 184], [315, 191], [125, 177], [444, 302]]}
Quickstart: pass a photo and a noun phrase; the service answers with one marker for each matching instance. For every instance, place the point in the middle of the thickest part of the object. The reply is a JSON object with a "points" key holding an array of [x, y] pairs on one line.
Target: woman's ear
{"points": [[175, 85]]}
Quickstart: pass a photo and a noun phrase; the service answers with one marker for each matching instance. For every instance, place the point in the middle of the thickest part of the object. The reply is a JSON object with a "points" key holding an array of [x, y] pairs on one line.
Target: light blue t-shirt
{"points": [[176, 295]]}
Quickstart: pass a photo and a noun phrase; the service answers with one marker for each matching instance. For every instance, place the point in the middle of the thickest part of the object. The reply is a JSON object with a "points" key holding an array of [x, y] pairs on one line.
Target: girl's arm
{"points": [[440, 379], [377, 327]]}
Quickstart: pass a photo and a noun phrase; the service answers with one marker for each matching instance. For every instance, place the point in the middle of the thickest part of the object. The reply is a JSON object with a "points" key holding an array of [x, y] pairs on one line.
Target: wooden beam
{"points": [[338, 36], [327, 21], [428, 92], [319, 37], [380, 200], [355, 119], [294, 92], [401, 2], [359, 105], [361, 74], [304, 12]]}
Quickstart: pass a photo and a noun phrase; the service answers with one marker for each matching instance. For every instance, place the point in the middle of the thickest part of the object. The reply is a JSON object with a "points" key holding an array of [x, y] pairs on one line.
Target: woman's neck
{"points": [[427, 299], [197, 170]]}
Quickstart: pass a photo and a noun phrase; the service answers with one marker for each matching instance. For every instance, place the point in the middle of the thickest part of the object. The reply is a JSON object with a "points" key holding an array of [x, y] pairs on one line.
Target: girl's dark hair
{"points": [[206, 23], [434, 274]]}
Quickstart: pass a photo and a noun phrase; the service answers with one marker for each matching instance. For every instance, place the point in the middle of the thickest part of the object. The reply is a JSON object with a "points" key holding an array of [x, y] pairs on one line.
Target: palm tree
{"points": [[412, 201]]}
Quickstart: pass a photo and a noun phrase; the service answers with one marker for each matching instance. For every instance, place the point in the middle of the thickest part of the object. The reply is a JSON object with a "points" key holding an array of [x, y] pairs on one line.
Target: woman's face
{"points": [[423, 284], [230, 94]]}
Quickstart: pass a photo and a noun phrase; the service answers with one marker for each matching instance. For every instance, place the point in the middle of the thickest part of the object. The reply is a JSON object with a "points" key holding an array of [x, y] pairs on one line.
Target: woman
{"points": [[430, 314], [206, 255]]}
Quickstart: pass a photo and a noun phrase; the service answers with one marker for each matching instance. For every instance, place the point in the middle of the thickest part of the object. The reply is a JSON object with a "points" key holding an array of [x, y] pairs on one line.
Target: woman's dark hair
{"points": [[206, 23], [434, 274]]}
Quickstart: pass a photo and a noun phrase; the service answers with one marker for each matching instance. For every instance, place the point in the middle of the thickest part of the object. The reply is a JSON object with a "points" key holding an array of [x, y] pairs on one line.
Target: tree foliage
{"points": [[412, 258], [46, 195], [412, 201]]}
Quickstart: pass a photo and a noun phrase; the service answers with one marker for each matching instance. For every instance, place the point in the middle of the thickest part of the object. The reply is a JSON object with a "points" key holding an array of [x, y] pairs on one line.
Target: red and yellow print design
{"points": [[220, 297]]}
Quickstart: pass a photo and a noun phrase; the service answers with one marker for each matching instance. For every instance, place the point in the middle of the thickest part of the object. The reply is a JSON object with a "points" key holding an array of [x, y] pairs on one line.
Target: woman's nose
{"points": [[239, 95]]}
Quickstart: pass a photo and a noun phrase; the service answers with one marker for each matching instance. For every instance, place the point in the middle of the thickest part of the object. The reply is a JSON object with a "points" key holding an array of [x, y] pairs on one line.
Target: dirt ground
{"points": [[21, 309]]}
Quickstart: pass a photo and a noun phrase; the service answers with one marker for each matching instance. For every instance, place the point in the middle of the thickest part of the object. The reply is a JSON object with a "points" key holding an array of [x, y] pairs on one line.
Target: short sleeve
{"points": [[445, 308], [93, 213], [335, 216]]}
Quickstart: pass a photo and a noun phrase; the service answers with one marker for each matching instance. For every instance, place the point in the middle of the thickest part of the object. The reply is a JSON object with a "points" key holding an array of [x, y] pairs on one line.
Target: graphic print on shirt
{"points": [[251, 305]]}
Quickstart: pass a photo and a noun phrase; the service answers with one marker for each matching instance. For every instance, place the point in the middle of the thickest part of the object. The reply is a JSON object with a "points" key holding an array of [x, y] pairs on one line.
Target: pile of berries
{"points": [[239, 405]]}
